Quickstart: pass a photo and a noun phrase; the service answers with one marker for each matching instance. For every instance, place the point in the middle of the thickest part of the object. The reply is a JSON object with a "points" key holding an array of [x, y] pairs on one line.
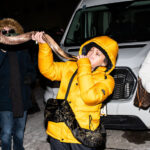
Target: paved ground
{"points": [[35, 136]]}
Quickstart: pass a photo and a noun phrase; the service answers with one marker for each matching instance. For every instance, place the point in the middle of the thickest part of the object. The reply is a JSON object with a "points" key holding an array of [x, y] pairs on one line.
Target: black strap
{"points": [[69, 85]]}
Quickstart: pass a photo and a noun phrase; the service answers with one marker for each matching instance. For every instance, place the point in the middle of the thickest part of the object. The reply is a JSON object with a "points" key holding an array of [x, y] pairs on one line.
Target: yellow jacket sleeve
{"points": [[48, 68], [94, 89]]}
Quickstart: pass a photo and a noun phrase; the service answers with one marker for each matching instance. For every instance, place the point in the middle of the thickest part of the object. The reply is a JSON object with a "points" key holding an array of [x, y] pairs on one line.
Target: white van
{"points": [[126, 21]]}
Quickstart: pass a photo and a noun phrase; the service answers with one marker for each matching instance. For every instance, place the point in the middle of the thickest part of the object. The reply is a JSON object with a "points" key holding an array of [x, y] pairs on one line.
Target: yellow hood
{"points": [[108, 46]]}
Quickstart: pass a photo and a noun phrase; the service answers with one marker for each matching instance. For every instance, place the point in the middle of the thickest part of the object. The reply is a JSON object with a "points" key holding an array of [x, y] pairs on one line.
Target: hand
{"points": [[81, 56], [38, 37]]}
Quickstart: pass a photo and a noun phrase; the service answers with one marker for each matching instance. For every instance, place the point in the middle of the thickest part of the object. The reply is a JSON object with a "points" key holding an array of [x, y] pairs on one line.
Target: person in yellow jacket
{"points": [[90, 87]]}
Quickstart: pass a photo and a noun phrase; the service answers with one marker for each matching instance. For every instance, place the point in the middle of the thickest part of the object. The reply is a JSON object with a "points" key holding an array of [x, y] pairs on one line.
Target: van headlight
{"points": [[125, 83]]}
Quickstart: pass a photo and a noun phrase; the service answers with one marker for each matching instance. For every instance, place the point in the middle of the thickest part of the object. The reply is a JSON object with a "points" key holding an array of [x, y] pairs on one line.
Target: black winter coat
{"points": [[26, 71]]}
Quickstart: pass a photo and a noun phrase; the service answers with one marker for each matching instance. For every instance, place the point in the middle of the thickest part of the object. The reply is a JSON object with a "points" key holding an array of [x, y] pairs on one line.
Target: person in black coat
{"points": [[16, 74]]}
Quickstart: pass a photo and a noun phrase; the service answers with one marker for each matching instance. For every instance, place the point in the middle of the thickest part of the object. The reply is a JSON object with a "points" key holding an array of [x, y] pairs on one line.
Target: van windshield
{"points": [[123, 21]]}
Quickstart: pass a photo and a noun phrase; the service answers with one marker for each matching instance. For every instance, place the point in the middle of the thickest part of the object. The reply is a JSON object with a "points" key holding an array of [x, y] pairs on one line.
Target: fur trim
{"points": [[11, 23]]}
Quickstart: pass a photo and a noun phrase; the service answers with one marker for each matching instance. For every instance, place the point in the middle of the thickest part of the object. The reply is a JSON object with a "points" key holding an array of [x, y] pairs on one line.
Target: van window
{"points": [[123, 21]]}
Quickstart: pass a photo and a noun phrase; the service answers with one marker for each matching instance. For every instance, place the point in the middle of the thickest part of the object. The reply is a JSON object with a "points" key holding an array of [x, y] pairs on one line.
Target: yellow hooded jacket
{"points": [[88, 89]]}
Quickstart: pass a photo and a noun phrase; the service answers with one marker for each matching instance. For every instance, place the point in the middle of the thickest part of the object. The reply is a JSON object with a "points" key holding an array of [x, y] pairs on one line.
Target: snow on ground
{"points": [[35, 137]]}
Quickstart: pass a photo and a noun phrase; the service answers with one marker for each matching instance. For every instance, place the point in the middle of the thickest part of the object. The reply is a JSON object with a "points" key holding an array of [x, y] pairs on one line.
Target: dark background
{"points": [[39, 14]]}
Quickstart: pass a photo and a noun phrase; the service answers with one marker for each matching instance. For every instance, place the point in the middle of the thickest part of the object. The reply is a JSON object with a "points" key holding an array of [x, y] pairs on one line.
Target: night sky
{"points": [[39, 14]]}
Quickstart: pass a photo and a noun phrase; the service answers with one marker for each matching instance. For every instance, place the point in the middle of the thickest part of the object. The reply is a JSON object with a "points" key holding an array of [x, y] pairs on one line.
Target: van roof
{"points": [[90, 3]]}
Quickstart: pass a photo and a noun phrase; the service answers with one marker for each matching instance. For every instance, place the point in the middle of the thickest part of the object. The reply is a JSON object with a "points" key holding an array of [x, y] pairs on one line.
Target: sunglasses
{"points": [[11, 31]]}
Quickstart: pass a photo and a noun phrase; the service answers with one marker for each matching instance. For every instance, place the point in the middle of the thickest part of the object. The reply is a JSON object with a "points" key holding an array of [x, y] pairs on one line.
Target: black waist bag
{"points": [[59, 110]]}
